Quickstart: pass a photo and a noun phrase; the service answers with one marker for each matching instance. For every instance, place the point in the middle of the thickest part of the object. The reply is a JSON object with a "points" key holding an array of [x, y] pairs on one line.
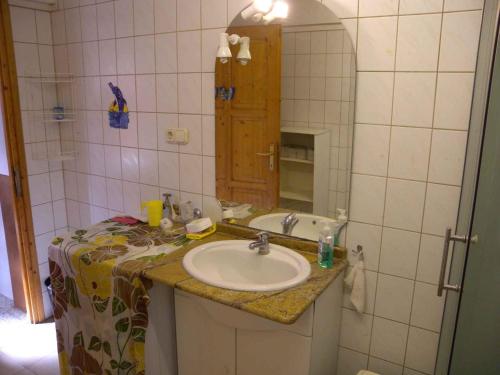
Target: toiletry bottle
{"points": [[342, 220], [325, 246], [341, 216]]}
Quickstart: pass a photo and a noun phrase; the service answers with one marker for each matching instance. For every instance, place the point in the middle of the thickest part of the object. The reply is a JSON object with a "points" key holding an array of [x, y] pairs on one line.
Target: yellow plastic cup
{"points": [[155, 212]]}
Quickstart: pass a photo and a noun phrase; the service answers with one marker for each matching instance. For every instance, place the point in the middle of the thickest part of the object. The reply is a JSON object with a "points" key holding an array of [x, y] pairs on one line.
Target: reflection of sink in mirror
{"points": [[307, 227], [232, 265]]}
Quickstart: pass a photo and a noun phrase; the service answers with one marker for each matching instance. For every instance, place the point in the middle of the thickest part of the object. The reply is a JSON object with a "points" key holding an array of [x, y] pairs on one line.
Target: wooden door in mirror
{"points": [[248, 126]]}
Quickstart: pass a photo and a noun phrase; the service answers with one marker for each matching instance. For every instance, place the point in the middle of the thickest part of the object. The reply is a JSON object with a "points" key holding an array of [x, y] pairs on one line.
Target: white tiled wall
{"points": [[163, 62], [34, 56], [416, 62]]}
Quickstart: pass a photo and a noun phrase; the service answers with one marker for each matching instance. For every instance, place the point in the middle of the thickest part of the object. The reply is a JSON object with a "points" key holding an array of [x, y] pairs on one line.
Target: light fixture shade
{"points": [[224, 53], [280, 10], [258, 6], [244, 55]]}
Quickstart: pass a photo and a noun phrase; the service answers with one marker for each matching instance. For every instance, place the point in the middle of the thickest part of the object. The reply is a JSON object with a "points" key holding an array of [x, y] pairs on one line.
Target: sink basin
{"points": [[232, 265], [308, 226]]}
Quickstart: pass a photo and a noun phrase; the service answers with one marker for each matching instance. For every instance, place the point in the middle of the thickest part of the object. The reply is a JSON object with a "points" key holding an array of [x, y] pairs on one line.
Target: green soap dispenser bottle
{"points": [[325, 246]]}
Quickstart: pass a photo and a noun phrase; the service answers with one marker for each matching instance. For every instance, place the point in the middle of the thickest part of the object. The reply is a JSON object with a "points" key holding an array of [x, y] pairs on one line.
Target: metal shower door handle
{"points": [[269, 154], [448, 237]]}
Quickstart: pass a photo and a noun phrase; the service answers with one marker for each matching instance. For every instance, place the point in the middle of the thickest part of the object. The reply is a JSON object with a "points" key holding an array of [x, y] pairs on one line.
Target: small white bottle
{"points": [[341, 215], [341, 219]]}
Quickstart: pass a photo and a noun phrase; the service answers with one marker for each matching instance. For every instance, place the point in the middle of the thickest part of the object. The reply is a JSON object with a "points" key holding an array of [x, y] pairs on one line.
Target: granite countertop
{"points": [[284, 306]]}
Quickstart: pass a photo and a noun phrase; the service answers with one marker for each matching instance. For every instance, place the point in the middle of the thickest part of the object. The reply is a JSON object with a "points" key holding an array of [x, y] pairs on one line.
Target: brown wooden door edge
{"points": [[24, 257]]}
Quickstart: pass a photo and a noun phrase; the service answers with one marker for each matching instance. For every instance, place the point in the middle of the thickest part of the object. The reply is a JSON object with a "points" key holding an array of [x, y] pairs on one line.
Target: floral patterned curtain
{"points": [[100, 300]]}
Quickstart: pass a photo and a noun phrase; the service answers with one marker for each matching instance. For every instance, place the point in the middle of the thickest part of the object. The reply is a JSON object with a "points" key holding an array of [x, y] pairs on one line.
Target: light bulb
{"points": [[258, 6], [263, 6], [280, 10], [257, 17], [244, 55]]}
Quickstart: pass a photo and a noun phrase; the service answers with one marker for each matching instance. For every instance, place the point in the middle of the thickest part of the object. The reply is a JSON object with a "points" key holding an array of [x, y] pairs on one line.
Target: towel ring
{"points": [[359, 252]]}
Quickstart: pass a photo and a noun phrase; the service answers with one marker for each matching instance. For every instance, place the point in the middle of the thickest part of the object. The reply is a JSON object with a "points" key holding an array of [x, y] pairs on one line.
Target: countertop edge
{"points": [[246, 306]]}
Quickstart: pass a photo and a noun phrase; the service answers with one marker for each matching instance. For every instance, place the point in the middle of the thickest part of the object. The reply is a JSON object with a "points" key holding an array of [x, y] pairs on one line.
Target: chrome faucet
{"points": [[167, 204], [289, 223], [262, 243]]}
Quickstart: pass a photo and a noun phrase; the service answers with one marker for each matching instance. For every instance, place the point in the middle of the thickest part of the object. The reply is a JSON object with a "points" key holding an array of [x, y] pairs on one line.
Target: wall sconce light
{"points": [[267, 10], [280, 10], [224, 52], [244, 55]]}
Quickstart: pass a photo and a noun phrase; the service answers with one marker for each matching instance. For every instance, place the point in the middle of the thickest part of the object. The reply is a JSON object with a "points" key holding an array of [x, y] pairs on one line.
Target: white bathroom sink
{"points": [[308, 226], [232, 265]]}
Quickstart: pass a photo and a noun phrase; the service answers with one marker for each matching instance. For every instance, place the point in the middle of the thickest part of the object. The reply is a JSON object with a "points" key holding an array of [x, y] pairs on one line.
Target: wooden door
{"points": [[8, 218], [248, 126], [14, 190]]}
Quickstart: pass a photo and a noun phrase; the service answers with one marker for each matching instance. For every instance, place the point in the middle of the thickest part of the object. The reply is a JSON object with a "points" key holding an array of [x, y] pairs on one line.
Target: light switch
{"points": [[178, 136]]}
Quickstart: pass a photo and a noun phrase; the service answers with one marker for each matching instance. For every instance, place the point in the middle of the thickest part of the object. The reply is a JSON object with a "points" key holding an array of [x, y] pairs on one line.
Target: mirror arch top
{"points": [[345, 10]]}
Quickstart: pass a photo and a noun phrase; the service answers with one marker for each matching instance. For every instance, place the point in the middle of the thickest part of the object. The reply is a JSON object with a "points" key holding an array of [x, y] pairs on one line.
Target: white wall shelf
{"points": [[53, 78], [61, 96], [303, 180], [64, 156], [303, 196], [294, 160], [49, 116]]}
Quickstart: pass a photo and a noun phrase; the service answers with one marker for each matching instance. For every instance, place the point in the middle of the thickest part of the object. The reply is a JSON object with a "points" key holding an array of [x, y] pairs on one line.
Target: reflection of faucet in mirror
{"points": [[289, 223]]}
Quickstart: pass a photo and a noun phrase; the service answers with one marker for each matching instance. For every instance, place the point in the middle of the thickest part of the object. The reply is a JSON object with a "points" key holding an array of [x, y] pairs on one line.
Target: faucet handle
{"points": [[197, 214]]}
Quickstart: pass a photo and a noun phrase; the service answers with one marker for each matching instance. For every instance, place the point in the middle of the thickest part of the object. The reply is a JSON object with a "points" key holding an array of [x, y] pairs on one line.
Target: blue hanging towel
{"points": [[118, 110]]}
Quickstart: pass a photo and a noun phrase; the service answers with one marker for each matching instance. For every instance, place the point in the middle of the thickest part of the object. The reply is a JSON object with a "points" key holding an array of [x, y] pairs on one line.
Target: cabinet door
{"points": [[161, 353], [273, 352], [204, 346]]}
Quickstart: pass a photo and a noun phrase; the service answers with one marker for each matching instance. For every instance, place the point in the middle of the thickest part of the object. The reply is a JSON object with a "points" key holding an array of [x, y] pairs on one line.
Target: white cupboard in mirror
{"points": [[285, 113]]}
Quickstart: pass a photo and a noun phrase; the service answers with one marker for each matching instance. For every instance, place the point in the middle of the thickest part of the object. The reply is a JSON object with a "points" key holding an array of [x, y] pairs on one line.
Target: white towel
{"points": [[355, 281]]}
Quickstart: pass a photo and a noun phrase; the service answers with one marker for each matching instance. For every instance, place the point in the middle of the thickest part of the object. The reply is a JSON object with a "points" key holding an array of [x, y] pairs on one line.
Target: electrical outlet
{"points": [[178, 136]]}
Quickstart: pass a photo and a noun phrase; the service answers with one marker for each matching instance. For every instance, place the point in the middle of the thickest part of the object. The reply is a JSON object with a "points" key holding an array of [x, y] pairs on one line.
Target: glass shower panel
{"points": [[475, 349]]}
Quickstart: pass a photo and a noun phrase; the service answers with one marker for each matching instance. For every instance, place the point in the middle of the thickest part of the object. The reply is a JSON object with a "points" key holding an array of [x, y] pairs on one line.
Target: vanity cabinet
{"points": [[305, 169], [215, 339]]}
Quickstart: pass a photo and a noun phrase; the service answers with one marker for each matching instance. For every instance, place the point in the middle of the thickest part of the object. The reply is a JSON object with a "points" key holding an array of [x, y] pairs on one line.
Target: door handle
{"points": [[270, 155], [448, 237]]}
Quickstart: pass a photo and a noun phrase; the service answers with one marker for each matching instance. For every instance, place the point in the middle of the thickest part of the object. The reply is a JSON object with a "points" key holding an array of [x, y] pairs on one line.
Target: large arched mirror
{"points": [[285, 98]]}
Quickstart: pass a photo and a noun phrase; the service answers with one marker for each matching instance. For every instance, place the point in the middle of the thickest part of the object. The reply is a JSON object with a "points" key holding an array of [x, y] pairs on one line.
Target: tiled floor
{"points": [[25, 349]]}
